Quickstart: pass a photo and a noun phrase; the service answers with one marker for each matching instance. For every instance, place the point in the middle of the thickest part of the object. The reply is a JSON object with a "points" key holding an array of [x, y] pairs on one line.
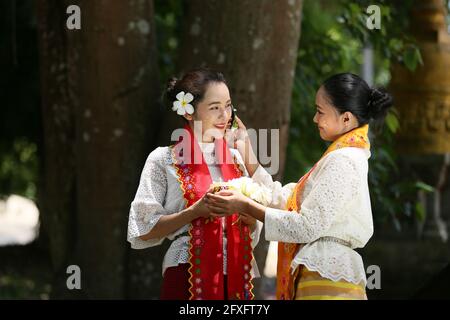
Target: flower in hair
{"points": [[182, 104]]}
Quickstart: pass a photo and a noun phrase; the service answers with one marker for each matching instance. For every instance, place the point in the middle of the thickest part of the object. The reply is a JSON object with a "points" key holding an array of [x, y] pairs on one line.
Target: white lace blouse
{"points": [[159, 193], [335, 203]]}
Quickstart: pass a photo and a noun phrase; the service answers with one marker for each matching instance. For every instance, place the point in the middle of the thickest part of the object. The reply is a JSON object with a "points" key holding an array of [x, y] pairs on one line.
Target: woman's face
{"points": [[214, 111], [330, 122]]}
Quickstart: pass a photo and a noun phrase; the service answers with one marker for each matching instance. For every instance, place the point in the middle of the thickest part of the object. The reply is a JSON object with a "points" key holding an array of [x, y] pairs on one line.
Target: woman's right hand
{"points": [[237, 137], [199, 209]]}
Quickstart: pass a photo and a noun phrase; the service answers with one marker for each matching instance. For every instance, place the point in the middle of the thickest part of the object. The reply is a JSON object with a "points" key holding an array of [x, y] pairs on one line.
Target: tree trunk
{"points": [[106, 104], [255, 44], [57, 187]]}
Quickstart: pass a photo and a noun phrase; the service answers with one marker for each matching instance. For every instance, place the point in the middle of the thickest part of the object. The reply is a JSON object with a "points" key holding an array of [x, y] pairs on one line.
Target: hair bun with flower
{"points": [[182, 104]]}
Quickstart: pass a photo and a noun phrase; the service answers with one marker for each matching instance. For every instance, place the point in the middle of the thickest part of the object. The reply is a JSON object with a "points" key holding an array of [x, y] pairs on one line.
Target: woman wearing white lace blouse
{"points": [[169, 200], [320, 220]]}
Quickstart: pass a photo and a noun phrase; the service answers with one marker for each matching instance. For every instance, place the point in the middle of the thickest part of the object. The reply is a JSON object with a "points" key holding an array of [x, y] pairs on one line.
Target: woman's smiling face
{"points": [[330, 122], [214, 111]]}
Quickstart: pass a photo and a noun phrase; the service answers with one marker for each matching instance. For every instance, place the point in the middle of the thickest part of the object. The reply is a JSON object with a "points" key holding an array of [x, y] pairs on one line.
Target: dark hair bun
{"points": [[379, 103]]}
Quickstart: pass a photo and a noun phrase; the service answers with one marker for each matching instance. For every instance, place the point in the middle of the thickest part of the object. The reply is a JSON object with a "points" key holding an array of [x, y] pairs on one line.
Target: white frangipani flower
{"points": [[182, 104]]}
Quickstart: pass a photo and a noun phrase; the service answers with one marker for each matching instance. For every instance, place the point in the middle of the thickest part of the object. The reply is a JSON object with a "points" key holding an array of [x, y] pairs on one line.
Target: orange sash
{"points": [[357, 138]]}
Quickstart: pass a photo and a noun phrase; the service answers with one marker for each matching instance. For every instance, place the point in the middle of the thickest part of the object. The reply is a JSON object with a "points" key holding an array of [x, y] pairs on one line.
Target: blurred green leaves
{"points": [[392, 122], [19, 168], [412, 57], [14, 286], [168, 13], [392, 40], [423, 186]]}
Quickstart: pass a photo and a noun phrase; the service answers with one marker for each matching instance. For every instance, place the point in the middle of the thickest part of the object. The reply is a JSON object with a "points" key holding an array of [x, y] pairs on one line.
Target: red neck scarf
{"points": [[206, 245]]}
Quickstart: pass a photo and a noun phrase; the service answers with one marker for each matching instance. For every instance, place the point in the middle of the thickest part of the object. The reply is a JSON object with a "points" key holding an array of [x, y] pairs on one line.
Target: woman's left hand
{"points": [[226, 202], [248, 220]]}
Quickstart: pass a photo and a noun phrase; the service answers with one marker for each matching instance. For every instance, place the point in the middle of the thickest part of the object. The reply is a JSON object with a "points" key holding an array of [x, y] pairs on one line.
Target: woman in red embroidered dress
{"points": [[209, 257]]}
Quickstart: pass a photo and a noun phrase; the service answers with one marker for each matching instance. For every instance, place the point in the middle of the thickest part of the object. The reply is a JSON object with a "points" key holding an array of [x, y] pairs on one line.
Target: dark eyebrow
{"points": [[217, 102]]}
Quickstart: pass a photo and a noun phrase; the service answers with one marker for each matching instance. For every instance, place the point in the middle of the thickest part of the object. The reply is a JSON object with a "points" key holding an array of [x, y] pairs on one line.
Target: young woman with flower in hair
{"points": [[209, 257]]}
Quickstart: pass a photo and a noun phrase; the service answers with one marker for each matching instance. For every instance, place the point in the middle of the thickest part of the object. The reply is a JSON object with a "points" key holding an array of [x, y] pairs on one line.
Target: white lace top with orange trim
{"points": [[335, 204], [159, 194]]}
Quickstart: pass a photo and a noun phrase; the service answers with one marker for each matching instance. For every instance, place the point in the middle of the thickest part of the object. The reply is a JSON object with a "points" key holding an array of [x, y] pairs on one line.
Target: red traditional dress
{"points": [[208, 248]]}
